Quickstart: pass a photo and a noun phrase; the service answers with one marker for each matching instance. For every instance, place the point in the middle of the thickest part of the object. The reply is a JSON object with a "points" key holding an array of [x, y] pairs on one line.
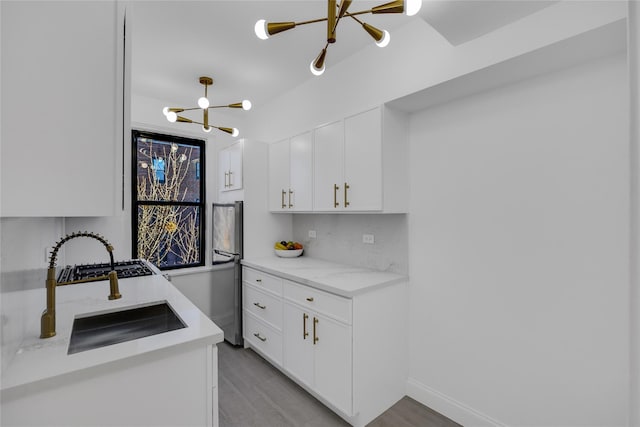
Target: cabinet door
{"points": [[301, 172], [298, 343], [333, 362], [223, 169], [235, 166], [279, 176], [328, 159], [363, 161], [62, 57]]}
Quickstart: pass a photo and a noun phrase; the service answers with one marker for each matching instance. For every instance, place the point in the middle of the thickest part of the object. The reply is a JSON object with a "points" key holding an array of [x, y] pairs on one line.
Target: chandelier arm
{"points": [[362, 12], [313, 21], [332, 22], [356, 19], [344, 5], [225, 106]]}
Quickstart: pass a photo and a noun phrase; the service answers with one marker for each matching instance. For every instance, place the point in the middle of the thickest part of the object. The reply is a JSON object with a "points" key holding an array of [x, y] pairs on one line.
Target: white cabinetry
{"points": [[291, 174], [317, 342], [279, 176], [358, 164], [173, 383], [230, 167], [62, 108], [361, 163], [328, 160], [332, 345], [262, 313]]}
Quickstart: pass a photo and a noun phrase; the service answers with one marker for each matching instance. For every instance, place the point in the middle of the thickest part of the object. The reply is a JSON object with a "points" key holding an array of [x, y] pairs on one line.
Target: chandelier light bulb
{"points": [[203, 102], [316, 71], [411, 7], [384, 41], [165, 110], [172, 117], [246, 105], [235, 132], [206, 129], [261, 29]]}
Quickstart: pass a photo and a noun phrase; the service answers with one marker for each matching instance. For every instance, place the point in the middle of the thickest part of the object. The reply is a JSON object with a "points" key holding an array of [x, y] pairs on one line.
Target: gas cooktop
{"points": [[125, 269]]}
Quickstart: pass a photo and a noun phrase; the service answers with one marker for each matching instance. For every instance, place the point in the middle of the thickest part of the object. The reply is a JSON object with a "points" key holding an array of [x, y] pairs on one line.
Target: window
{"points": [[168, 199]]}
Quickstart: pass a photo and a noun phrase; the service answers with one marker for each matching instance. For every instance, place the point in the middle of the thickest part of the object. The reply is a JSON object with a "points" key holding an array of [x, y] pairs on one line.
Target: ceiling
{"points": [[175, 42]]}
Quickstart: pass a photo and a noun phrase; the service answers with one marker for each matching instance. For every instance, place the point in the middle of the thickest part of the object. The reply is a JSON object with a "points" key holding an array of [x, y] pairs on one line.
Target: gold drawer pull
{"points": [[335, 195], [257, 335], [283, 205], [290, 193], [305, 334], [346, 187], [257, 304], [258, 280], [310, 299], [315, 335]]}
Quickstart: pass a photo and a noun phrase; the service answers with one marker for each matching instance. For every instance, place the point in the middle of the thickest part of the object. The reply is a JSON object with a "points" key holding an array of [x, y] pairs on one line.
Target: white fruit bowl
{"points": [[288, 253]]}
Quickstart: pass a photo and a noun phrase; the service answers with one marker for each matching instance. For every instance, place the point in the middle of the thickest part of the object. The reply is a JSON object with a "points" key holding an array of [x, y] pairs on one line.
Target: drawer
{"points": [[334, 306], [263, 337], [262, 280], [263, 305]]}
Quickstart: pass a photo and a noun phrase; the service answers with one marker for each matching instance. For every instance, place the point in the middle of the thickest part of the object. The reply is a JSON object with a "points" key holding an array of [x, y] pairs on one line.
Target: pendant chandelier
{"points": [[335, 13], [203, 104]]}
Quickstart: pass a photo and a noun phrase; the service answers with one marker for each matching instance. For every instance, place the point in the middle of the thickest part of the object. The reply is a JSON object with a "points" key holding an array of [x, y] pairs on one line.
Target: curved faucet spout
{"points": [[48, 319]]}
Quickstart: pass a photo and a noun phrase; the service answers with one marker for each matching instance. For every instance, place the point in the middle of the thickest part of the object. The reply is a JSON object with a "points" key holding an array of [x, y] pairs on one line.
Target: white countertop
{"points": [[40, 359], [340, 279]]}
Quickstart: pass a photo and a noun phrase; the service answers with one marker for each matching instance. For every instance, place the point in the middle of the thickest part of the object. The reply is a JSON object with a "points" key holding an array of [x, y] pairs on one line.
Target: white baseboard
{"points": [[448, 406]]}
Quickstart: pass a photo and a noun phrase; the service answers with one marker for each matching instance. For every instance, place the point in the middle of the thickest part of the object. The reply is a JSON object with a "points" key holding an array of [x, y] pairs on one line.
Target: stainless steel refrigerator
{"points": [[227, 280]]}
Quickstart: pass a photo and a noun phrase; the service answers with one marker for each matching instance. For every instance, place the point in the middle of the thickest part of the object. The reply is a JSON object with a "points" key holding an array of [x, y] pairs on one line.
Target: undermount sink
{"points": [[124, 325]]}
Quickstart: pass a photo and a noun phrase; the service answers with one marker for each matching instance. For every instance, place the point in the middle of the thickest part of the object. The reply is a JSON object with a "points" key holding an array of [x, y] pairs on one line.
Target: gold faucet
{"points": [[48, 319]]}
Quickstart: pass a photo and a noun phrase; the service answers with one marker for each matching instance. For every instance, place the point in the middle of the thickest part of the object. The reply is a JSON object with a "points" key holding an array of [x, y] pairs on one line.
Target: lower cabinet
{"points": [[330, 344], [317, 351], [262, 314]]}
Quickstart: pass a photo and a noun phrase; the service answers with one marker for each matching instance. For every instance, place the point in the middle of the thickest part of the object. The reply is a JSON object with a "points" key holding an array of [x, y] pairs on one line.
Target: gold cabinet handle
{"points": [[305, 334], [315, 335], [290, 193], [257, 335], [283, 205], [310, 299], [230, 173], [257, 304], [258, 280], [226, 175], [346, 187], [335, 195]]}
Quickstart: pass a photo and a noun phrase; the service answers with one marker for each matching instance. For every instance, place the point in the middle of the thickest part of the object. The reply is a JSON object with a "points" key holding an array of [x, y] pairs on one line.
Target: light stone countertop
{"points": [[41, 359], [340, 279]]}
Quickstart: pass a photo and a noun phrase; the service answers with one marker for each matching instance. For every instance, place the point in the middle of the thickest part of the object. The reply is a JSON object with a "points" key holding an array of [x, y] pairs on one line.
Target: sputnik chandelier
{"points": [[335, 13], [203, 104]]}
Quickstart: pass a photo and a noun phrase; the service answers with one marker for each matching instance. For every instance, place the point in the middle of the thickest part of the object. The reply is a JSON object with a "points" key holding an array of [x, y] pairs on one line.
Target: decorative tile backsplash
{"points": [[339, 238]]}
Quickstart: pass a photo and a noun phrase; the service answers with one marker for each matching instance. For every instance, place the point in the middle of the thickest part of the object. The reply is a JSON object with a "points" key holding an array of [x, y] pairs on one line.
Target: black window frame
{"points": [[135, 203]]}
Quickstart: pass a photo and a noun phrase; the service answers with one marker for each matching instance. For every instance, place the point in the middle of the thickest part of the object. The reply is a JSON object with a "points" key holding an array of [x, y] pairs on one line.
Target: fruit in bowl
{"points": [[288, 249]]}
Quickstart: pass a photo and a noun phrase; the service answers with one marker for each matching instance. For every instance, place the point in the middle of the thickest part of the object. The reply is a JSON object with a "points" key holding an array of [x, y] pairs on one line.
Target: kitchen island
{"points": [[164, 379], [340, 331]]}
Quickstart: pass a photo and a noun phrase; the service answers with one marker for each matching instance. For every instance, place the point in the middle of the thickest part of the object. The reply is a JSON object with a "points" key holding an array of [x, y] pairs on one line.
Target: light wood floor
{"points": [[252, 393]]}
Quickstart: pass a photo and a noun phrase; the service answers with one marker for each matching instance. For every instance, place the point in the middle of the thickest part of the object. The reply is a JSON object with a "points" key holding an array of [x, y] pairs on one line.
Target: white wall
{"points": [[634, 294], [339, 239], [519, 251]]}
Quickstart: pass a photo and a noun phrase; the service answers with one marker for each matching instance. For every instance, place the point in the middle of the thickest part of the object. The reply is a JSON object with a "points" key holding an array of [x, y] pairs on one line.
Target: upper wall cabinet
{"points": [[360, 163], [291, 174], [63, 77], [230, 167]]}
